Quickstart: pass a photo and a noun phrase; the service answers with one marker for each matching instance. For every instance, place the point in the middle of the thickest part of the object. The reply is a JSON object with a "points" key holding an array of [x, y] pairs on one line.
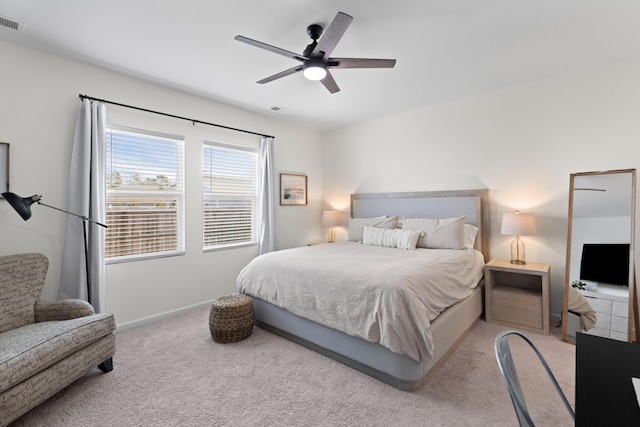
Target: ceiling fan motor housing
{"points": [[314, 31]]}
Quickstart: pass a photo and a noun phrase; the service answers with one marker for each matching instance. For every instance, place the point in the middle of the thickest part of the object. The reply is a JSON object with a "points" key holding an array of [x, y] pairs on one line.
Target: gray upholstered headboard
{"points": [[474, 204]]}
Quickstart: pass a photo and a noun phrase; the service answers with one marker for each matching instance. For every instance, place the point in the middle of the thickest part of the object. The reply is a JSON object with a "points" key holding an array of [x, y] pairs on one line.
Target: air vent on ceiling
{"points": [[279, 109], [10, 23]]}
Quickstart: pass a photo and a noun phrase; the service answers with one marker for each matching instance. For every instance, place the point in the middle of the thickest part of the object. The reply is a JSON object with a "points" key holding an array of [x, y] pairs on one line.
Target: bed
{"points": [[280, 285]]}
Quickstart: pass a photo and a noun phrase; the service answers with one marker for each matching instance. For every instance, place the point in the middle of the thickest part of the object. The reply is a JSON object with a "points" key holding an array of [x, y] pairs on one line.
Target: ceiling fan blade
{"points": [[270, 48], [333, 34], [360, 63], [330, 83], [281, 74]]}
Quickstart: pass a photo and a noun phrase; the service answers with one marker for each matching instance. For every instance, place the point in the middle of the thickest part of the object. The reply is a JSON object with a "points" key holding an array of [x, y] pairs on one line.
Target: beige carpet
{"points": [[171, 373]]}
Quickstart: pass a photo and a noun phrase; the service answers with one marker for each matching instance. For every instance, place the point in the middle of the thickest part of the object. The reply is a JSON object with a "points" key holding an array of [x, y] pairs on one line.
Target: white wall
{"points": [[521, 143], [38, 109]]}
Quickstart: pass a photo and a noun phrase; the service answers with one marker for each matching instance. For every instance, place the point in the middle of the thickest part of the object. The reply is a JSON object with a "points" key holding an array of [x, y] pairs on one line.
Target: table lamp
{"points": [[517, 224], [331, 219]]}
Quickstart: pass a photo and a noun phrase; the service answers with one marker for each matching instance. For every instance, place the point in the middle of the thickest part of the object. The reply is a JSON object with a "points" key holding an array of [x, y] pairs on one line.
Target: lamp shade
{"points": [[516, 223], [22, 205], [314, 69], [331, 218]]}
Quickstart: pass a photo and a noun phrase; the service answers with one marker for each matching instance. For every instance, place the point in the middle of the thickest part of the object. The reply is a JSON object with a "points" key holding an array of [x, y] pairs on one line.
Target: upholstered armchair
{"points": [[44, 346]]}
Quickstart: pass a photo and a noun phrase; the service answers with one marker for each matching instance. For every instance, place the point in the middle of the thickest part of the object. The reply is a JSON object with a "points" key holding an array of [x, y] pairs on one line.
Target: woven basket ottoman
{"points": [[231, 318]]}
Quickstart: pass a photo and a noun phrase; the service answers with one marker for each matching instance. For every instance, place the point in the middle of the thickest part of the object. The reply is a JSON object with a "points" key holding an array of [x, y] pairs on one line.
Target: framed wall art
{"points": [[4, 167], [293, 189]]}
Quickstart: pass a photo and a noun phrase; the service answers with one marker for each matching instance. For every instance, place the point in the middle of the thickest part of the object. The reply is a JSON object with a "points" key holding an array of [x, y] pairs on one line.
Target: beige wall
{"points": [[38, 109], [521, 143]]}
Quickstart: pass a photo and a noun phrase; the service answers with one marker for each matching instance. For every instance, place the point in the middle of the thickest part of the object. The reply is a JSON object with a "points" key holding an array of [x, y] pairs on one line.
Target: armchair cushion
{"points": [[21, 281], [37, 346]]}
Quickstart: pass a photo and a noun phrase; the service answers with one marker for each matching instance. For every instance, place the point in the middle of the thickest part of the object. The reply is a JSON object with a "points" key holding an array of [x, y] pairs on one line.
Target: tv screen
{"points": [[605, 263]]}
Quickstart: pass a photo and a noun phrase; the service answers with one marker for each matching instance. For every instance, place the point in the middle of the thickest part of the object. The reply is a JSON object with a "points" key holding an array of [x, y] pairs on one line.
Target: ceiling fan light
{"points": [[315, 70]]}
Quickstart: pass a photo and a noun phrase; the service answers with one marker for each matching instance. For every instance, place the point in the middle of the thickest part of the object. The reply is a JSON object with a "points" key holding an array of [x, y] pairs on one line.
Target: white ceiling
{"points": [[445, 49]]}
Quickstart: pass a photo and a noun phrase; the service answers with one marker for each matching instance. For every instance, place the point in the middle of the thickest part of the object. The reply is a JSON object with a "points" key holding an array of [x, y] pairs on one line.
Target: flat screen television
{"points": [[605, 263]]}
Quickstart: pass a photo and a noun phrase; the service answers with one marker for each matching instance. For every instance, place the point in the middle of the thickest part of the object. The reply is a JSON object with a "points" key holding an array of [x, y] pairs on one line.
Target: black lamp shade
{"points": [[22, 205]]}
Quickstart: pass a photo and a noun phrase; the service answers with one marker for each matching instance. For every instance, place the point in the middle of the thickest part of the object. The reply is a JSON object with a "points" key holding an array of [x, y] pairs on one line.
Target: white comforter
{"points": [[383, 295]]}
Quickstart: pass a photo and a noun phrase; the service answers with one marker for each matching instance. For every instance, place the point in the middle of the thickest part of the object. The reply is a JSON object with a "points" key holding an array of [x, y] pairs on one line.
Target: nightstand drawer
{"points": [[620, 309], [517, 305], [599, 304], [603, 321], [619, 324], [618, 336]]}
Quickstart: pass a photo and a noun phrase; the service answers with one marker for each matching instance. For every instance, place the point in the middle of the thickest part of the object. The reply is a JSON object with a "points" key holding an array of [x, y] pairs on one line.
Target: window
{"points": [[229, 195], [145, 194]]}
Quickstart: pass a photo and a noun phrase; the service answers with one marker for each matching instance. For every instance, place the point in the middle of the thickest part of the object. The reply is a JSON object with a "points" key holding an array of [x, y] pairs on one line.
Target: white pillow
{"points": [[356, 224], [447, 233], [390, 222], [470, 233], [390, 238]]}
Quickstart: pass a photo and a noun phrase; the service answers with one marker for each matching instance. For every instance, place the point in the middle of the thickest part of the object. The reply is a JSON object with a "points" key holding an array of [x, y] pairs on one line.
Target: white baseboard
{"points": [[155, 317]]}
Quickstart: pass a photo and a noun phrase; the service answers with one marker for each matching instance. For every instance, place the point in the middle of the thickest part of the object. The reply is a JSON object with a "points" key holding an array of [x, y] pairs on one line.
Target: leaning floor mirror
{"points": [[599, 292]]}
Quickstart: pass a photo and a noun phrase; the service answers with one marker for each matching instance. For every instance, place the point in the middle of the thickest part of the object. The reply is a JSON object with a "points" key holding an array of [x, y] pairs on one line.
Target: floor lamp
{"points": [[22, 205]]}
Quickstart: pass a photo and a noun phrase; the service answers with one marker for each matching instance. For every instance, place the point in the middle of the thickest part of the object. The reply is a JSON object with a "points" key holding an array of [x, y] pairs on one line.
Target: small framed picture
{"points": [[4, 167], [293, 189]]}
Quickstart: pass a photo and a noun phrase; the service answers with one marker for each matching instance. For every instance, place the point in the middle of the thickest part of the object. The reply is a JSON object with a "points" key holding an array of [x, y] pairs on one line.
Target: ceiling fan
{"points": [[315, 60]]}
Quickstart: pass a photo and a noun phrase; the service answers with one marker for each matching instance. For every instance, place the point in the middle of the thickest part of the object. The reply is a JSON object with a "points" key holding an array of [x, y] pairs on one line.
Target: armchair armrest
{"points": [[62, 310]]}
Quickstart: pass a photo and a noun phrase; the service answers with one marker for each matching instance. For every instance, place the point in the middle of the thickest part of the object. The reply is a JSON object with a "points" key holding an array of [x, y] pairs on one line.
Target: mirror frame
{"points": [[633, 319], [4, 167]]}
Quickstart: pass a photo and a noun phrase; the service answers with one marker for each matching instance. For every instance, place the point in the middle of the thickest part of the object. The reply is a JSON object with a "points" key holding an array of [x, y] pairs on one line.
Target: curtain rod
{"points": [[194, 121]]}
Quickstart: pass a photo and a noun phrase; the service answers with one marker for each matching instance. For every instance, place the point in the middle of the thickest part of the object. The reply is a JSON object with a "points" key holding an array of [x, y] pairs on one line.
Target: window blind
{"points": [[145, 194], [229, 193]]}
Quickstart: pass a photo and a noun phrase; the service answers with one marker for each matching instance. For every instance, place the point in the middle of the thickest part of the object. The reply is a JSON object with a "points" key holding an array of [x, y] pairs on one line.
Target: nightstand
{"points": [[517, 295]]}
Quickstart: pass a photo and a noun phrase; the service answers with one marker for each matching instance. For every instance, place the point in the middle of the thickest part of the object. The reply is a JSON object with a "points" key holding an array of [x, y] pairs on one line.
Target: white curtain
{"points": [[267, 195], [86, 197]]}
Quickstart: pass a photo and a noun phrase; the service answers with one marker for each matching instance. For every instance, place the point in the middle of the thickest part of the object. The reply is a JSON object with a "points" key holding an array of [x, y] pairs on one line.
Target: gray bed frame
{"points": [[448, 329]]}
